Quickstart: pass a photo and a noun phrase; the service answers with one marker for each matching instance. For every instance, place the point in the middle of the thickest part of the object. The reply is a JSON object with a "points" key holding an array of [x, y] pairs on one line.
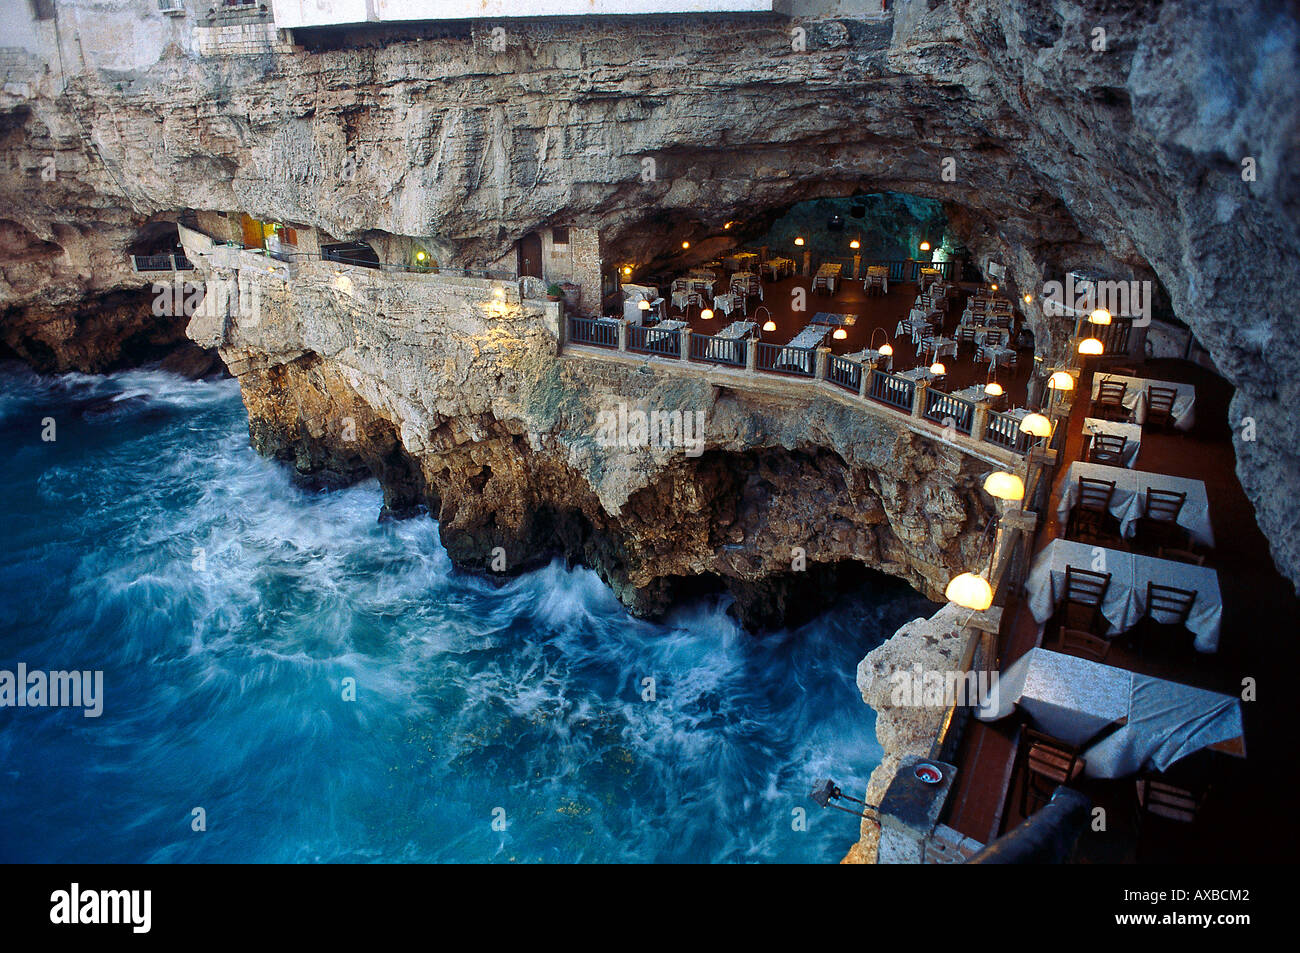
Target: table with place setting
{"points": [[801, 350], [1125, 601], [999, 355], [939, 347], [1135, 397], [779, 268], [1132, 434], [877, 277], [664, 329], [828, 276], [727, 303], [1130, 490], [728, 348], [873, 357]]}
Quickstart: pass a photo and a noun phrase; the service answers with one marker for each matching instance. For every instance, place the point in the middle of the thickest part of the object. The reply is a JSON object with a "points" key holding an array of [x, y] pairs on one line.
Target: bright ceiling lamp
{"points": [[1091, 346], [937, 369], [799, 241], [994, 389], [855, 244], [1100, 316], [706, 314], [840, 334], [627, 270], [1004, 486], [1036, 425], [1061, 381], [970, 592]]}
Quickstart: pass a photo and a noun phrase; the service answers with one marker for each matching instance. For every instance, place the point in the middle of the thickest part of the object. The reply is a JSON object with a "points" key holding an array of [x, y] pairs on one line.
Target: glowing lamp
{"points": [[685, 245], [937, 369], [886, 350], [706, 314], [1090, 346], [1028, 298], [627, 270], [728, 225], [970, 592], [643, 304], [769, 325], [420, 256], [855, 244], [993, 389], [994, 286], [925, 246], [1004, 486], [1036, 425], [799, 242], [840, 334], [1100, 316], [1061, 381]]}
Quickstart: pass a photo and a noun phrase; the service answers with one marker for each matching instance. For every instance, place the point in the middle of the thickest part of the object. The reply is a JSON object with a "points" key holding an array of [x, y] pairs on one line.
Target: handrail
{"points": [[593, 331], [941, 407], [842, 372], [784, 359], [893, 390], [718, 350]]}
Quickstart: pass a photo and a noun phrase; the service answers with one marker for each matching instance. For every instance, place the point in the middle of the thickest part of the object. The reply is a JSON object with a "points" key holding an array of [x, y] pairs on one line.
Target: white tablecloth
{"points": [[973, 393], [828, 276], [725, 350], [1130, 487], [1075, 699], [877, 275], [997, 354], [1135, 398], [940, 347], [728, 303], [872, 356], [799, 352], [1092, 426], [1126, 597], [664, 329], [992, 335]]}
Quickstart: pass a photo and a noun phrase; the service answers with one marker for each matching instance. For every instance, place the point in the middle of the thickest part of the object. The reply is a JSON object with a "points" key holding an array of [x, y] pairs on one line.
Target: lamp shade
{"points": [[643, 304], [855, 244], [1028, 298], [1061, 381], [886, 350], [993, 389], [1100, 316], [1004, 486], [970, 592], [627, 270], [1090, 346], [994, 286], [1036, 425], [769, 325], [686, 245], [706, 314], [937, 369], [798, 241], [840, 334], [925, 246]]}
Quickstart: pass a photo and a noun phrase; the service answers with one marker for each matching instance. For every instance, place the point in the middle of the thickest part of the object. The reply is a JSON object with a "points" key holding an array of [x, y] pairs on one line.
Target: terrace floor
{"points": [[872, 312], [1247, 815]]}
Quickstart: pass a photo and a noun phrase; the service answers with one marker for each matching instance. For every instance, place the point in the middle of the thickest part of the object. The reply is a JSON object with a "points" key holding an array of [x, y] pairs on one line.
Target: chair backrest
{"points": [[1111, 392], [1163, 505], [1084, 644], [1108, 445], [1084, 587], [1095, 495], [965, 333], [1168, 605], [1160, 400], [1050, 757], [1167, 800]]}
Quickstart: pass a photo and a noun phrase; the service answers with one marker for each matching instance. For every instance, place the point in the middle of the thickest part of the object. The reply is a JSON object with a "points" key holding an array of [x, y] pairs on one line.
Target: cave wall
{"points": [[1126, 159]]}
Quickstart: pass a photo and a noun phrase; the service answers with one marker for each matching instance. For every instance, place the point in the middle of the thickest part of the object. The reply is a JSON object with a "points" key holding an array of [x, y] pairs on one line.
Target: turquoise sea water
{"points": [[226, 608]]}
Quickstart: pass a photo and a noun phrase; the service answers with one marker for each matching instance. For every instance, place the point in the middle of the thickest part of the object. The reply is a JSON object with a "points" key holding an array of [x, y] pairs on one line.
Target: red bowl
{"points": [[928, 773]]}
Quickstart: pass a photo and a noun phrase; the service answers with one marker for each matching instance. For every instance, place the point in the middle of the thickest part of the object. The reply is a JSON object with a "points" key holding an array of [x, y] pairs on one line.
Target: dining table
{"points": [[873, 357], [877, 277], [656, 333], [1135, 398], [801, 351], [1125, 601], [778, 267], [1130, 492], [1132, 434], [726, 344], [938, 347], [828, 276], [1124, 721]]}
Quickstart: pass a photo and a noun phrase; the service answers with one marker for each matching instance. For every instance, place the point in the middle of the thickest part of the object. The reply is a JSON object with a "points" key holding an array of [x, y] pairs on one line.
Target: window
{"points": [[42, 9], [560, 236]]}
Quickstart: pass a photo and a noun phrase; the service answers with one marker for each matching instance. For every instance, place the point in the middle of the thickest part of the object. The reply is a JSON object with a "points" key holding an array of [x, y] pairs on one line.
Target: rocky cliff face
{"points": [[1121, 151]]}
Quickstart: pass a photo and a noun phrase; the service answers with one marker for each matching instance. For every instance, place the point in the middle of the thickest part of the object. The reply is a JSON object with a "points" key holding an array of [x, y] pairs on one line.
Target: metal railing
{"points": [[844, 373], [941, 408], [652, 340], [1004, 430], [892, 390], [161, 263], [783, 359], [718, 350], [593, 331]]}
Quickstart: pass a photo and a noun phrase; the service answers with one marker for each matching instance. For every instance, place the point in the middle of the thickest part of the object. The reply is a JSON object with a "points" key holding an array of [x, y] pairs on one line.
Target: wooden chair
{"points": [[1048, 764], [1083, 644], [1085, 592], [1168, 609], [1109, 402], [1158, 797], [1091, 520], [1160, 407], [1107, 449], [1158, 524], [965, 334]]}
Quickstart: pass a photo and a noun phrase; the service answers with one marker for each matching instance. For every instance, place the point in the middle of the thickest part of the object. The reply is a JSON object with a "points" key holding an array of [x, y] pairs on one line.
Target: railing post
{"points": [[686, 344], [864, 385], [823, 363], [918, 398], [857, 266], [979, 421], [751, 356], [807, 262], [622, 335]]}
